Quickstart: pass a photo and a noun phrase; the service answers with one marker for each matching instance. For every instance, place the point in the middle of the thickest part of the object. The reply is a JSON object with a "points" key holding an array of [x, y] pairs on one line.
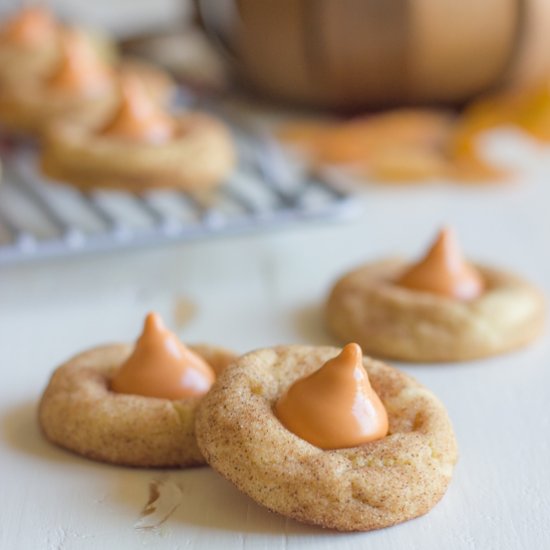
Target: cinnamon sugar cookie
{"points": [[28, 44], [81, 85], [80, 412], [139, 145], [374, 485], [389, 320], [200, 155]]}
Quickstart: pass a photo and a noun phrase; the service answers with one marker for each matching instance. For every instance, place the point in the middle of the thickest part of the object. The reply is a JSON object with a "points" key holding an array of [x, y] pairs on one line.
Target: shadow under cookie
{"points": [[21, 432]]}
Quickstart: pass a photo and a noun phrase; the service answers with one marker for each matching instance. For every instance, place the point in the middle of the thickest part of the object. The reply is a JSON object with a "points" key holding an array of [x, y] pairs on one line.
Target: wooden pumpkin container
{"points": [[365, 53]]}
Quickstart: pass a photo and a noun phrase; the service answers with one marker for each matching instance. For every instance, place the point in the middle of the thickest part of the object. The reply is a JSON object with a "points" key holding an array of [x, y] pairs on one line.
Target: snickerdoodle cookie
{"points": [[81, 85], [425, 313], [80, 411], [395, 478], [28, 44], [140, 145], [31, 45]]}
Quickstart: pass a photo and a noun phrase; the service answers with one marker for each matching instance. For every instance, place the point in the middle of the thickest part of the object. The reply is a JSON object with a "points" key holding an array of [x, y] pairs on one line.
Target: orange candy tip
{"points": [[444, 271], [30, 26], [138, 118], [335, 406], [352, 352], [350, 356], [447, 235], [153, 322], [161, 366]]}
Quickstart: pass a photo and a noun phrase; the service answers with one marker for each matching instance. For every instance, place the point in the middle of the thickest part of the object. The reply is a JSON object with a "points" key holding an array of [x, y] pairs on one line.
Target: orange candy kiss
{"points": [[80, 71], [161, 366], [444, 271], [335, 407], [138, 118], [30, 27]]}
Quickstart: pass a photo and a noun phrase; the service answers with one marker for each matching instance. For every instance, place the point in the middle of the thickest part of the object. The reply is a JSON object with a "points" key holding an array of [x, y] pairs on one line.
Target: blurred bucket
{"points": [[369, 53]]}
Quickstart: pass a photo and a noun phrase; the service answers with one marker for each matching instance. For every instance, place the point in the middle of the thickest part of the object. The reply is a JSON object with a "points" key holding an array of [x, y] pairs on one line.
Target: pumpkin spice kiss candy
{"points": [[444, 271], [440, 309], [328, 437], [334, 407], [132, 406], [28, 44]]}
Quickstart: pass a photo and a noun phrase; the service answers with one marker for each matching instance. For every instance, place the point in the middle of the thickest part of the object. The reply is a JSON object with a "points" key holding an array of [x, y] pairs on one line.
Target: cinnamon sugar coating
{"points": [[78, 411], [387, 320], [371, 486], [200, 156]]}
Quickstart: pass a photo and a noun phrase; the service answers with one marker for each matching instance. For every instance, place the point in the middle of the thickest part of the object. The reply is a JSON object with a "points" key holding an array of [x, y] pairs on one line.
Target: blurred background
{"points": [[361, 126], [337, 95], [119, 16]]}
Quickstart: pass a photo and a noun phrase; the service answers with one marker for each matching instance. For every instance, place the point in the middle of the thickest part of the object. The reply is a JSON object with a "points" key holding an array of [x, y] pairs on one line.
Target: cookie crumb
{"points": [[184, 311]]}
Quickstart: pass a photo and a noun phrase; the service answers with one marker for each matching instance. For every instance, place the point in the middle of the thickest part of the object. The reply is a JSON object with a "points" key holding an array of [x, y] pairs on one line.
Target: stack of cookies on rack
{"points": [[102, 121]]}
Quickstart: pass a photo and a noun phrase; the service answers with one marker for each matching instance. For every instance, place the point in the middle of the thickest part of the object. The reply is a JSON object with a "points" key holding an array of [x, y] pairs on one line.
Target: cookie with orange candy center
{"points": [[28, 44], [80, 83], [133, 405], [328, 437], [30, 27], [140, 145], [80, 72], [441, 308]]}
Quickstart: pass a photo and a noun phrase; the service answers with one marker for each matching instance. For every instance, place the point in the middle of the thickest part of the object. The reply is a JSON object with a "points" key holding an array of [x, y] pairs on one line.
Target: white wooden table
{"points": [[257, 291]]}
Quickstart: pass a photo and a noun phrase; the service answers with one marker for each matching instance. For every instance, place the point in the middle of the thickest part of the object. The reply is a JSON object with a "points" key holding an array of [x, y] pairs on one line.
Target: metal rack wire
{"points": [[41, 219]]}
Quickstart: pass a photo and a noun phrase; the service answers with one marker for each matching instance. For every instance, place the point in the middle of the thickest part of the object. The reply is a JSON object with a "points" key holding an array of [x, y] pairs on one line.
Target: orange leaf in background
{"points": [[528, 110], [365, 137], [306, 134], [360, 138], [422, 144], [395, 146], [534, 117], [407, 164], [474, 169], [464, 155]]}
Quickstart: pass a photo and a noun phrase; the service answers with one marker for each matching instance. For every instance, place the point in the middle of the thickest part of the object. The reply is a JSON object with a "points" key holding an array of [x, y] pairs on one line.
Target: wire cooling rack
{"points": [[41, 219]]}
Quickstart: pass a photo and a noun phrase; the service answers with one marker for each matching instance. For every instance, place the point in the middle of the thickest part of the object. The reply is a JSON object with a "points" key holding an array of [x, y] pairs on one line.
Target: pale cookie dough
{"points": [[78, 411], [200, 156], [375, 485], [386, 320], [21, 64]]}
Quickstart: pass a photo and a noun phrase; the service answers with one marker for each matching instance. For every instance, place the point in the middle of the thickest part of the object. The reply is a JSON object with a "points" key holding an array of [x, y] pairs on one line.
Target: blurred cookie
{"points": [[140, 145], [28, 45], [81, 84], [440, 309]]}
